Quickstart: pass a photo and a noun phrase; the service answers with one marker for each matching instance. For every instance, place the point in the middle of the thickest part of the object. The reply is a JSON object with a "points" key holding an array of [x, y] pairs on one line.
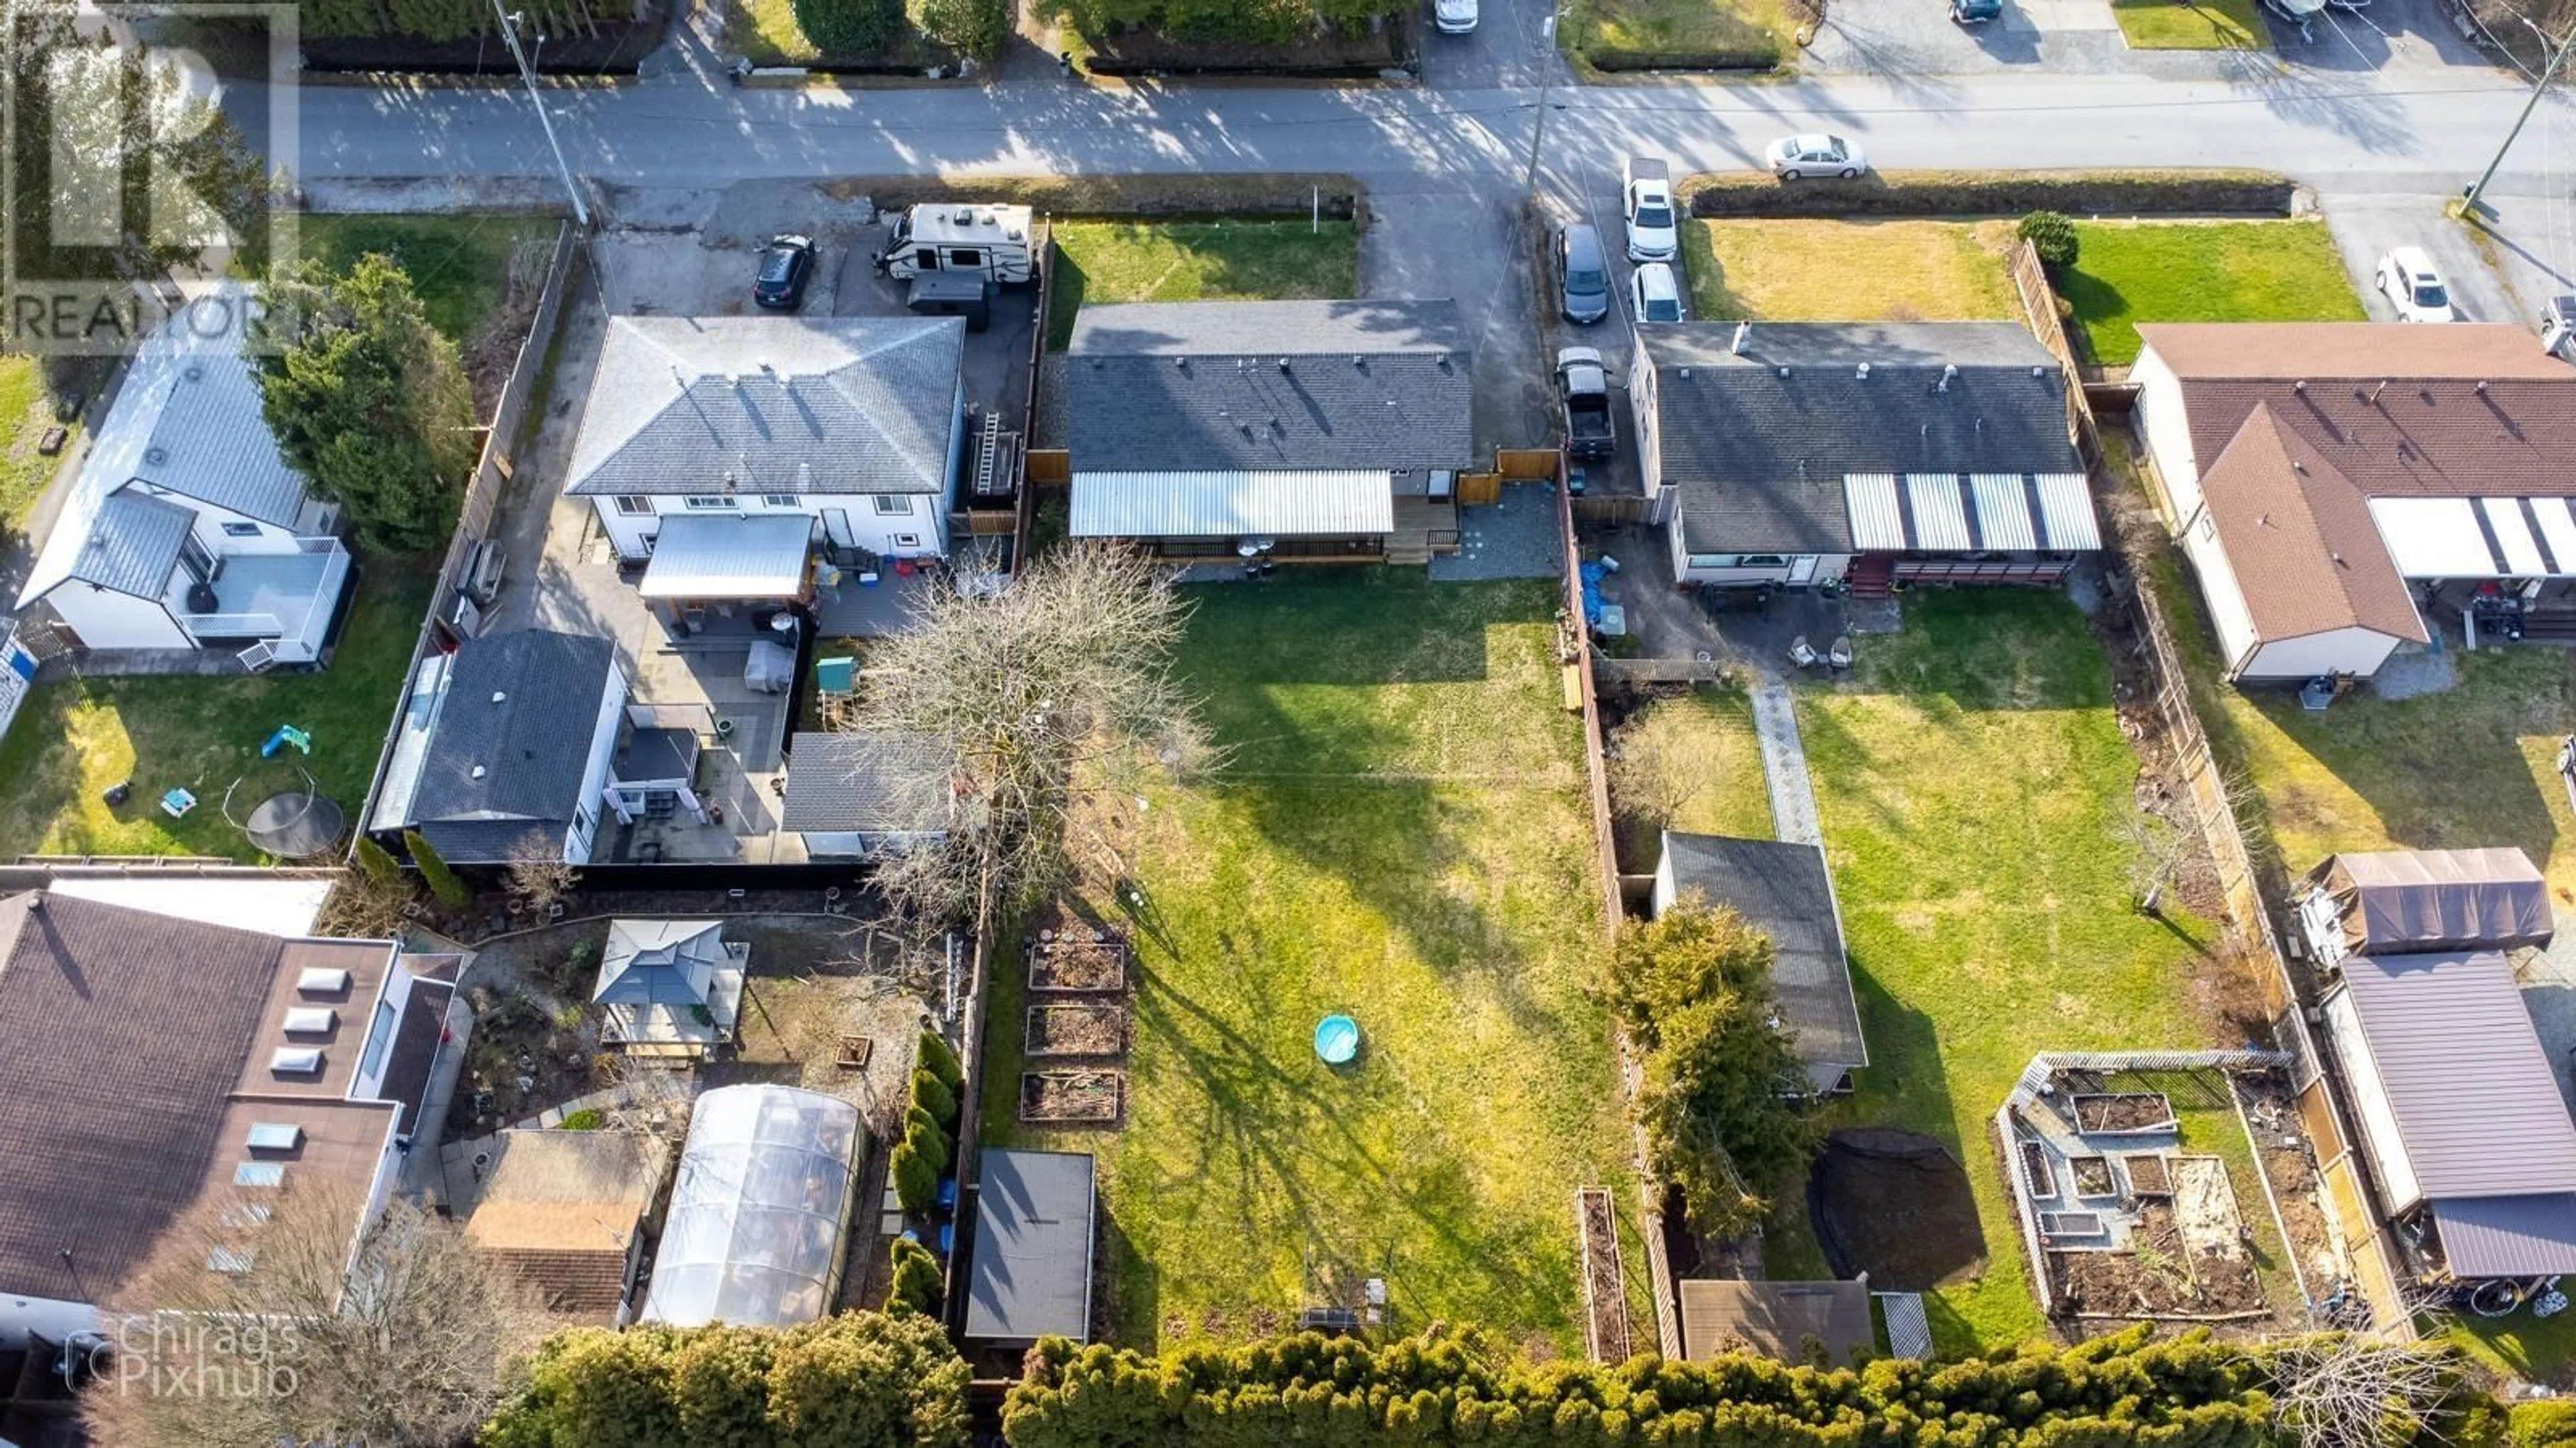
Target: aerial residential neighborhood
{"points": [[1081, 723]]}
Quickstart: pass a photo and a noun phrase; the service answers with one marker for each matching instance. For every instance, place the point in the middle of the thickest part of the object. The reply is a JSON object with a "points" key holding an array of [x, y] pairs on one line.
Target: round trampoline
{"points": [[1337, 1040], [296, 823]]}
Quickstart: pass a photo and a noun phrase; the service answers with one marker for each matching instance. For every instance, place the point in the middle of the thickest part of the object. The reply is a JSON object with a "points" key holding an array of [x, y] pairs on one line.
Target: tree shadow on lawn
{"points": [[1289, 1131]]}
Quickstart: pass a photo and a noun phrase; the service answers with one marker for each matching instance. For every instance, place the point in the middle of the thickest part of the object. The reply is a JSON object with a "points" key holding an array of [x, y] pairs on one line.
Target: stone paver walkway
{"points": [[1784, 764]]}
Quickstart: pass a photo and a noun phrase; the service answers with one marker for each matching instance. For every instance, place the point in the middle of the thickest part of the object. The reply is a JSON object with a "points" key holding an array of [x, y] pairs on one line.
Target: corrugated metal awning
{"points": [[760, 556], [2003, 512], [2532, 1236], [2066, 513], [1246, 504], [1877, 521], [2478, 537], [1940, 512]]}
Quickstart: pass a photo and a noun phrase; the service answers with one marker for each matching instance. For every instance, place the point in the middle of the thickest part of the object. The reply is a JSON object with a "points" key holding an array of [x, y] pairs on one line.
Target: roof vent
{"points": [[311, 1020], [295, 1060], [1283, 364], [194, 371], [275, 1136], [156, 455], [1182, 363], [2038, 371], [1686, 374], [321, 980], [499, 697], [1743, 331], [1359, 362], [1949, 374], [2299, 386], [476, 772], [2374, 392], [2482, 389], [1784, 374], [1861, 372]]}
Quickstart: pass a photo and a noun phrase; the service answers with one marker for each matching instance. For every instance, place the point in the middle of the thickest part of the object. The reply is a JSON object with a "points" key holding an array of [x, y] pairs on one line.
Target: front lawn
{"points": [[76, 737], [1850, 271], [1399, 833], [460, 264], [2199, 271], [2190, 24], [1683, 34], [1137, 261], [1972, 780]]}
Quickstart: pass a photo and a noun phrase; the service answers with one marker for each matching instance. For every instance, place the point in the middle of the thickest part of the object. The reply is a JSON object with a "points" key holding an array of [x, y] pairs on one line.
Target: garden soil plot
{"points": [[1077, 1030], [1603, 1290], [2161, 1277], [2123, 1111], [2147, 1175], [2290, 1170], [1073, 1098], [1070, 964]]}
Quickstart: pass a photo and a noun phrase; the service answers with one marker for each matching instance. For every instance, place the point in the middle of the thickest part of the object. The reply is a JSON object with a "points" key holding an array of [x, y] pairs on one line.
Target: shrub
{"points": [[2547, 1424], [858, 1380], [2185, 192], [971, 27], [442, 882], [2052, 236], [940, 1061], [926, 1139], [932, 1095], [914, 1283], [845, 28], [1615, 60], [916, 1181], [377, 865], [588, 1118]]}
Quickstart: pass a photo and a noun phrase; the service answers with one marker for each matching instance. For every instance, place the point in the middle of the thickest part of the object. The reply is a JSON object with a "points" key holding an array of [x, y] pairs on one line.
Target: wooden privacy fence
{"points": [[1048, 467], [1475, 490], [1528, 464], [2039, 309]]}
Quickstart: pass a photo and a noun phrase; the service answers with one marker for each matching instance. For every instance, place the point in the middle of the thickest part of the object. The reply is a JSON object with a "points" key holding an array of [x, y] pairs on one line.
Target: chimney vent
{"points": [[1743, 332], [1283, 364], [1949, 374], [1862, 372], [499, 697]]}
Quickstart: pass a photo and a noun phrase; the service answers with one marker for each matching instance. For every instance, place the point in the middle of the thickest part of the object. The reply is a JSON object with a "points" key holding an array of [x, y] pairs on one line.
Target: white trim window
{"points": [[892, 505], [707, 503], [634, 505], [241, 530], [788, 501]]}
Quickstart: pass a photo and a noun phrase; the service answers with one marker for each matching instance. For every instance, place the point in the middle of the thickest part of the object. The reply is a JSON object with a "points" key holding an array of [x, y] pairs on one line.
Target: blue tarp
{"points": [[1592, 573]]}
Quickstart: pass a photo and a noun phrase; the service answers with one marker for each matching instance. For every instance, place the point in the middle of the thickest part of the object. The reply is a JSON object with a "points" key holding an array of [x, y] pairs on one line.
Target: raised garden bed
{"points": [[1077, 963], [2053, 1225], [1072, 1097], [1077, 1030], [1605, 1297], [2123, 1113], [2158, 1276], [2147, 1175], [2093, 1176], [2036, 1172]]}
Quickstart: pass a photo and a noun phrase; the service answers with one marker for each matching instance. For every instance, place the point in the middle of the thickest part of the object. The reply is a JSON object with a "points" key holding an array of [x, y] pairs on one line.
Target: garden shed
{"points": [[759, 1211], [2386, 902], [1776, 1319], [670, 987]]}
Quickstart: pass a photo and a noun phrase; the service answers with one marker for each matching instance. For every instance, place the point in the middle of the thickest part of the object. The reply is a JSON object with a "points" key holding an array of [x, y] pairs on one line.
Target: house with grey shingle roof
{"points": [[707, 441], [1313, 430], [508, 741], [185, 528], [853, 794], [1806, 453]]}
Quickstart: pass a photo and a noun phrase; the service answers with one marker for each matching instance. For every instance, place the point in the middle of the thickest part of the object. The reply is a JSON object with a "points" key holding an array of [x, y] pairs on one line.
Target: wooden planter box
{"points": [[1073, 1097], [1605, 1296], [1068, 965], [2124, 1113], [1076, 1030]]}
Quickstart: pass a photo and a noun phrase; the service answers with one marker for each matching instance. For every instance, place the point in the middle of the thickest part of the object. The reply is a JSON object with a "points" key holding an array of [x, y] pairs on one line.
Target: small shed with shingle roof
{"points": [[1783, 1320], [566, 1210]]}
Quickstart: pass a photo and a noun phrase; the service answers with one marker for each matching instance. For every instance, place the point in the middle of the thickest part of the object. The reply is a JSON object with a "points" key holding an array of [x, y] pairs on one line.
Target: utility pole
{"points": [[1546, 83], [528, 72], [2556, 52]]}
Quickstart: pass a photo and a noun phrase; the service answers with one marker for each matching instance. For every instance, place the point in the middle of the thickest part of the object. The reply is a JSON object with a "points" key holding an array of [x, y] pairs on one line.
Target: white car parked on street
{"points": [[1453, 17], [1657, 295], [2414, 287], [1646, 197], [1792, 157]]}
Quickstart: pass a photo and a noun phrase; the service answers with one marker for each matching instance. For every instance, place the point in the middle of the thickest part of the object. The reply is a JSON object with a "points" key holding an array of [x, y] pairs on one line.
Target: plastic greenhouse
{"points": [[759, 1210]]}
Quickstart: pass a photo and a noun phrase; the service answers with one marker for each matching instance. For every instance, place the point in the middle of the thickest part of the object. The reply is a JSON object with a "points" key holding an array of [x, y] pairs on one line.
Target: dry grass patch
{"points": [[1850, 271]]}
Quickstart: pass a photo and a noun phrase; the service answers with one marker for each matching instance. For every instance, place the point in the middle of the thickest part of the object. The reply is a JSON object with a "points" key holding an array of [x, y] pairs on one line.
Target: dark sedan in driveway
{"points": [[786, 264]]}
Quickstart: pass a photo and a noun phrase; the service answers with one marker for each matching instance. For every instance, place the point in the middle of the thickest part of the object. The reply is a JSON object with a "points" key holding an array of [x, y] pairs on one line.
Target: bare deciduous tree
{"points": [[304, 1327], [1036, 692], [2358, 1390], [361, 907], [1654, 771], [538, 877]]}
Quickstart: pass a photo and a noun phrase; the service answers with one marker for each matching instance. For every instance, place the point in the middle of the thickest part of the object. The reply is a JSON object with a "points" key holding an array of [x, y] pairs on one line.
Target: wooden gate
{"points": [[1477, 489], [1049, 467], [1528, 464]]}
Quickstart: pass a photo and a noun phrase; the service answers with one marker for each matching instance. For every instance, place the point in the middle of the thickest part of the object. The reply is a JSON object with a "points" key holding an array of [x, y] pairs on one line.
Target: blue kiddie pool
{"points": [[1337, 1040]]}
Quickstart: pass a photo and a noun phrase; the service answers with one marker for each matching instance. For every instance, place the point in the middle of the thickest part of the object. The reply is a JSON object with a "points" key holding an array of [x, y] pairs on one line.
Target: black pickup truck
{"points": [[1584, 384]]}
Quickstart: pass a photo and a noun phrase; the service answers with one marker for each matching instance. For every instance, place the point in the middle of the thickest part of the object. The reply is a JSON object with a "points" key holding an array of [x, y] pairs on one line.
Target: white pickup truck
{"points": [[1646, 195]]}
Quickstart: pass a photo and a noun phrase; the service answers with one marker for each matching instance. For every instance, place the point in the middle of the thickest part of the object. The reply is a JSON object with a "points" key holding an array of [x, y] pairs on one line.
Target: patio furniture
{"points": [[1802, 653], [1840, 655]]}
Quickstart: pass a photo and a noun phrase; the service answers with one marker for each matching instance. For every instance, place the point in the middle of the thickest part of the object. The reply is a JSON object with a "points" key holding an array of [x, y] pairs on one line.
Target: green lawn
{"points": [[1131, 261], [26, 410], [1705, 736], [460, 264], [1751, 33], [1850, 271], [1972, 779], [2191, 24], [75, 738], [1399, 832], [775, 32], [2200, 271]]}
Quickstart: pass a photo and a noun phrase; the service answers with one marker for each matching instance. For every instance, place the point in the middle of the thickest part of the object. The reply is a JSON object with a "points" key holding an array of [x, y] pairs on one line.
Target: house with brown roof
{"points": [[2344, 488], [566, 1211], [150, 1062]]}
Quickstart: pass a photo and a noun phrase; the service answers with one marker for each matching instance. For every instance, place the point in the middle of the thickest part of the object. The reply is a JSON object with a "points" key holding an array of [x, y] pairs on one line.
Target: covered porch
{"points": [[708, 573], [1288, 515]]}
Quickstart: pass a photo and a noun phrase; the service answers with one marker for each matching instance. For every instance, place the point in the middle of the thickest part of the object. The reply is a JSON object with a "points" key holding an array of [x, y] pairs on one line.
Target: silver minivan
{"points": [[1583, 272]]}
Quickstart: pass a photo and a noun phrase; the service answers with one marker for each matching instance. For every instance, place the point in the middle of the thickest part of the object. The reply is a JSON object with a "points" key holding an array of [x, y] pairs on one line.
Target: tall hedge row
{"points": [[2172, 191], [860, 1380], [2125, 1391]]}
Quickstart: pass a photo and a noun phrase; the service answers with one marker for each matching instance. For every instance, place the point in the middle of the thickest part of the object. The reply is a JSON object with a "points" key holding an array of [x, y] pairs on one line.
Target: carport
{"points": [[722, 562]]}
